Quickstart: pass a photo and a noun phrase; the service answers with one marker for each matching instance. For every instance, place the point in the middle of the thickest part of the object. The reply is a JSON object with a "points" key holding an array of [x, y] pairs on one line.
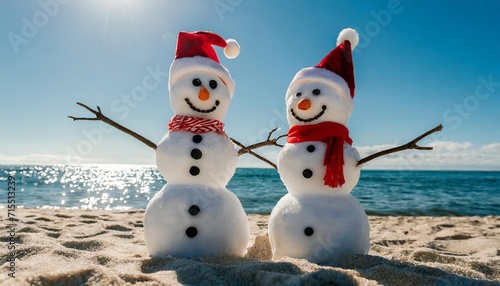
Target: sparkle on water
{"points": [[87, 187]]}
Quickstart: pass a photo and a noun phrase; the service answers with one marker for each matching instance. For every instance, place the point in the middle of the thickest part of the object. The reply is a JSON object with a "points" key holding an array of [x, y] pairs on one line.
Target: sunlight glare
{"points": [[120, 5]]}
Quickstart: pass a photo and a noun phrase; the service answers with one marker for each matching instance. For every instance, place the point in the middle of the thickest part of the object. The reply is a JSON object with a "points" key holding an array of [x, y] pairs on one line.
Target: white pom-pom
{"points": [[348, 34], [232, 49]]}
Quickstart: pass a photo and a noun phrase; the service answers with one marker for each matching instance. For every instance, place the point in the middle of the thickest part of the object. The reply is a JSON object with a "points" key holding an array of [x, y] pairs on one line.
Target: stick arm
{"points": [[410, 145], [99, 116]]}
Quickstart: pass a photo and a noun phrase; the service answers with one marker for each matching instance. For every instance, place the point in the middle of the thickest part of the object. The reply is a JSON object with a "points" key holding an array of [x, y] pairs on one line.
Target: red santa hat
{"points": [[336, 69], [195, 53]]}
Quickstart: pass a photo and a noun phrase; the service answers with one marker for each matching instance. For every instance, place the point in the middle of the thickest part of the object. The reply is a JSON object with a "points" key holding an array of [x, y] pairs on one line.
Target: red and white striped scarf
{"points": [[195, 124]]}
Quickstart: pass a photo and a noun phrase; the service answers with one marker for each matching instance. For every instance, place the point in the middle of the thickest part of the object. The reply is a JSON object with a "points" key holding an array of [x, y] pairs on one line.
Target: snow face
{"points": [[320, 228], [188, 221], [301, 169], [203, 159], [326, 104], [200, 94]]}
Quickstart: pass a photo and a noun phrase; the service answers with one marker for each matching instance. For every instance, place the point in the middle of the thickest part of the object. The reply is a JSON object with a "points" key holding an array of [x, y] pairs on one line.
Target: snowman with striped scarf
{"points": [[194, 215], [319, 220]]}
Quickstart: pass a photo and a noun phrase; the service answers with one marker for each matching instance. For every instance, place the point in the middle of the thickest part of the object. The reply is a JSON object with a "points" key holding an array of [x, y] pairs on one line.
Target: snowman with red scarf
{"points": [[194, 215], [319, 220]]}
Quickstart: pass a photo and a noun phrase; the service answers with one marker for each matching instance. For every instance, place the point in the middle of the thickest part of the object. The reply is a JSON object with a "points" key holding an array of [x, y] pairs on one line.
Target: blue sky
{"points": [[418, 64]]}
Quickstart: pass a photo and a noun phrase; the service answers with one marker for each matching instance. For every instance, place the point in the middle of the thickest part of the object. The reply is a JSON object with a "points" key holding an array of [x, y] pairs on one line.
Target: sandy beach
{"points": [[97, 247]]}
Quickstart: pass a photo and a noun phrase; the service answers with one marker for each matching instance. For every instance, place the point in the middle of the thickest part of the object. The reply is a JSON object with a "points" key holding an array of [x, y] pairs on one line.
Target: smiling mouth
{"points": [[309, 119], [202, 110]]}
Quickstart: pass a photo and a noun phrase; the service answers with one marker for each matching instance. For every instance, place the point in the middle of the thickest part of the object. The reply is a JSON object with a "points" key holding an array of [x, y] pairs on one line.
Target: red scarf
{"points": [[334, 135], [195, 124]]}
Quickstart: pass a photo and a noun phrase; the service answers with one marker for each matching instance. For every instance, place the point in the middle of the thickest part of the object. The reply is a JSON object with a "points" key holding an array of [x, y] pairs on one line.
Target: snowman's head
{"points": [[200, 87], [318, 95], [325, 92], [198, 84]]}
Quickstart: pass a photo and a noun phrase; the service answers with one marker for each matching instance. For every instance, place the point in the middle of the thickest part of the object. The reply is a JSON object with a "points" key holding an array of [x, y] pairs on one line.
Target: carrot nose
{"points": [[203, 94], [304, 104]]}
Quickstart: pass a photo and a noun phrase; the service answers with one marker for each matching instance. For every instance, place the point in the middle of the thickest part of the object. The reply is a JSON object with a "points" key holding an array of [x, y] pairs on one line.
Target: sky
{"points": [[418, 64]]}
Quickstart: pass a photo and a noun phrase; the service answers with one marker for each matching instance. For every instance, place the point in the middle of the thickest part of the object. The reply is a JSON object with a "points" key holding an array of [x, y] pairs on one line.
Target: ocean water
{"points": [[415, 193]]}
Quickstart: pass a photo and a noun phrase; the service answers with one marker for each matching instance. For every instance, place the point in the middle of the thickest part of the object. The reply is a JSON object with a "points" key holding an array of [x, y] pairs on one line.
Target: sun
{"points": [[125, 7], [121, 3]]}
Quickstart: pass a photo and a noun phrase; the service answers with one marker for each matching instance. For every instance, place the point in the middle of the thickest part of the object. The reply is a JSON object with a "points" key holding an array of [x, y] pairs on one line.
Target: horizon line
{"points": [[247, 167]]}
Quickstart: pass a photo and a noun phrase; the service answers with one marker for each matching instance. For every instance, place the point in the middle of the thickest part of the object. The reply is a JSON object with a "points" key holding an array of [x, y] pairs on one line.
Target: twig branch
{"points": [[410, 145], [252, 153], [267, 142], [100, 116]]}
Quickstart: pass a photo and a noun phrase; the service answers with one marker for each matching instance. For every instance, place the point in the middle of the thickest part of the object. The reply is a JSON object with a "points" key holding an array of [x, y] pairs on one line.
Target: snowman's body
{"points": [[194, 215], [318, 219], [314, 221]]}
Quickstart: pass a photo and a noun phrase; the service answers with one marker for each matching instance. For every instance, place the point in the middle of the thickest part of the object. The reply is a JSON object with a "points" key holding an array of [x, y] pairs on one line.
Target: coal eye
{"points": [[196, 82], [212, 84], [316, 92], [299, 94]]}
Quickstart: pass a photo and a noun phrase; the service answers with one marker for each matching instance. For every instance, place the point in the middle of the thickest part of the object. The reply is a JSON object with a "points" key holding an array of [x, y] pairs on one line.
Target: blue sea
{"points": [[117, 187]]}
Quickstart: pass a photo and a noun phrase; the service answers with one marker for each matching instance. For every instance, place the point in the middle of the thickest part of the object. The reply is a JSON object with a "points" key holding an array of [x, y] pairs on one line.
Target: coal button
{"points": [[195, 171], [196, 154], [308, 231], [191, 232], [197, 138], [307, 173], [311, 148], [194, 210]]}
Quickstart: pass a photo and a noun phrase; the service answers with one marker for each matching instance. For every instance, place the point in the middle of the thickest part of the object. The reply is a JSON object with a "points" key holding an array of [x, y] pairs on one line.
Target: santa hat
{"points": [[335, 70], [195, 53]]}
